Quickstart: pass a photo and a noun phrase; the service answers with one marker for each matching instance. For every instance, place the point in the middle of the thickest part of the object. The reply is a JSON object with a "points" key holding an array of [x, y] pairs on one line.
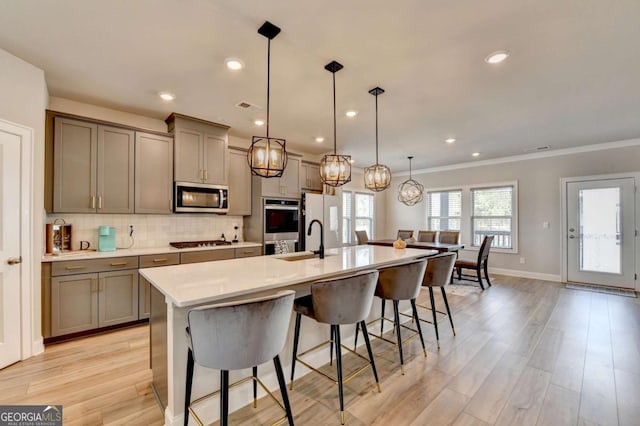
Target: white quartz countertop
{"points": [[91, 254], [198, 283]]}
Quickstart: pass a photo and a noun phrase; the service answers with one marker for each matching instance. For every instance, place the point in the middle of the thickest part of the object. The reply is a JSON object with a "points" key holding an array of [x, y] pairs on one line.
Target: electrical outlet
{"points": [[522, 260]]}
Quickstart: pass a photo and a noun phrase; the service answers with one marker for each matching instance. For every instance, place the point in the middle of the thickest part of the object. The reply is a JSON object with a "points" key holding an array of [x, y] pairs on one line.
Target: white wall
{"points": [[539, 201], [24, 99]]}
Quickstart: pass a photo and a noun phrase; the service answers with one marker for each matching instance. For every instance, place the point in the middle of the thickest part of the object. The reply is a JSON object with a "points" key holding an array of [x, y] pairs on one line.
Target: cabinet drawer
{"points": [[165, 259], [248, 251], [68, 267], [207, 255]]}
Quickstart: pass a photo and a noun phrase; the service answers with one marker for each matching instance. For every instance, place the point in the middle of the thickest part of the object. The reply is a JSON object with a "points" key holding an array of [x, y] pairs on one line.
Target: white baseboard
{"points": [[526, 274], [37, 347]]}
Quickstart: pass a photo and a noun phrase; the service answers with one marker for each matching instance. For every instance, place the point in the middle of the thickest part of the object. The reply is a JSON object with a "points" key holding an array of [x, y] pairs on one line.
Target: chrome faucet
{"points": [[320, 250]]}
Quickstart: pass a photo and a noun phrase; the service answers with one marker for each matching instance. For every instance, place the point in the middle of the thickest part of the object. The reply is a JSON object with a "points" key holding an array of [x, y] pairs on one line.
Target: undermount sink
{"points": [[301, 256]]}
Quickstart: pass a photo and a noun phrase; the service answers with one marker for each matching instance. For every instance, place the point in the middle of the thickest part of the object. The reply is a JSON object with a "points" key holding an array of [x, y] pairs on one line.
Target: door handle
{"points": [[14, 260]]}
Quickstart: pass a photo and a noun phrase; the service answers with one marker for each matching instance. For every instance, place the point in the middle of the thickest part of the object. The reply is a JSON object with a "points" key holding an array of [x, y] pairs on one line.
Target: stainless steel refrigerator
{"points": [[327, 209]]}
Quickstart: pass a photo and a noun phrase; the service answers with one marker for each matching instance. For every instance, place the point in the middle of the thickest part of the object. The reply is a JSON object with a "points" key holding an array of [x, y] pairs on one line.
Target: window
{"points": [[492, 214], [357, 215], [476, 211], [445, 210]]}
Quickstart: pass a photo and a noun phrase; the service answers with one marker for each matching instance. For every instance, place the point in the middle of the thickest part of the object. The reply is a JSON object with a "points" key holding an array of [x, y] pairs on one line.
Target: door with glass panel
{"points": [[601, 232]]}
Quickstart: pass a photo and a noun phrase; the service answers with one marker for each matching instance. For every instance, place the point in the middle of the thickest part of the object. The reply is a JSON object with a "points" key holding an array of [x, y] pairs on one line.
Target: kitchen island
{"points": [[176, 289]]}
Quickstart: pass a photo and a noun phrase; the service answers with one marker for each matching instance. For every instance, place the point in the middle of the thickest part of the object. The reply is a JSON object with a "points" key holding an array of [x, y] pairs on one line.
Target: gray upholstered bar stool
{"points": [[345, 300], [235, 336], [398, 283], [438, 274]]}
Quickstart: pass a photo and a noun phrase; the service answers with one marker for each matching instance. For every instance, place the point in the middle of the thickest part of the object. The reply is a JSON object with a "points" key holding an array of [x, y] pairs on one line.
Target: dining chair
{"points": [[427, 236], [449, 237], [479, 264], [405, 234], [236, 336], [362, 237]]}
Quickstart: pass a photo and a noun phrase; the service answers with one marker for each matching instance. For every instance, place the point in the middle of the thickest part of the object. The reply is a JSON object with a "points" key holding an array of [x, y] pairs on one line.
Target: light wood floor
{"points": [[527, 352]]}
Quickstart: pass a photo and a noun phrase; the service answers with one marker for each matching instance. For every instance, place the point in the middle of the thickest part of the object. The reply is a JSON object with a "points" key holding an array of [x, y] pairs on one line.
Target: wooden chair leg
{"points": [[459, 270], [479, 276], [187, 393], [486, 272], [283, 388], [296, 338], [224, 398]]}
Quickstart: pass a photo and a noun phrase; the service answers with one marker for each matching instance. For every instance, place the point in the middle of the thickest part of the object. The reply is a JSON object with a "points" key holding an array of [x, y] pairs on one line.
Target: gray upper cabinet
{"points": [[93, 168], [288, 185], [154, 174], [310, 176], [201, 154], [239, 183]]}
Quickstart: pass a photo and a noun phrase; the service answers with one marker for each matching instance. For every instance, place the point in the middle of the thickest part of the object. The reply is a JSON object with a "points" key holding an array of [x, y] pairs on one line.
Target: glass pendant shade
{"points": [[377, 177], [267, 157], [335, 169], [410, 192]]}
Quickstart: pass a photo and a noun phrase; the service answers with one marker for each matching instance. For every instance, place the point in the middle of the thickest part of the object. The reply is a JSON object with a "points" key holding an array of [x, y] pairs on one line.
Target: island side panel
{"points": [[158, 346]]}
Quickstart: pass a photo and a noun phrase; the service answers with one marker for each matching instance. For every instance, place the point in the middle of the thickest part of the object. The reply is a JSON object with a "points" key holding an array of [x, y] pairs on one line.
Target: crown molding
{"points": [[525, 157]]}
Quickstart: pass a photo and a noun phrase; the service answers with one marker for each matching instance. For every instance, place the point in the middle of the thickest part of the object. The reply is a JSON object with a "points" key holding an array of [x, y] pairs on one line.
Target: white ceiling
{"points": [[572, 78]]}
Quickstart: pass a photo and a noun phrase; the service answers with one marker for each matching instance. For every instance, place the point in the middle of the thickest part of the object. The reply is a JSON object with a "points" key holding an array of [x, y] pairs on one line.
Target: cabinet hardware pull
{"points": [[160, 260], [119, 263], [248, 251], [74, 268], [100, 202], [93, 201]]}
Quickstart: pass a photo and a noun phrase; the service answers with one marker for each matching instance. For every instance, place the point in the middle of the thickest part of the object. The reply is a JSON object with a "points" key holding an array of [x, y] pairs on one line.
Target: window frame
{"points": [[467, 213], [352, 220], [512, 217], [445, 217]]}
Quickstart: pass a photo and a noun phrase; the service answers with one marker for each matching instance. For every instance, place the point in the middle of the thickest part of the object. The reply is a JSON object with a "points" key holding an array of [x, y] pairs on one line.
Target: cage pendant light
{"points": [[335, 170], [377, 177], [410, 191], [267, 156]]}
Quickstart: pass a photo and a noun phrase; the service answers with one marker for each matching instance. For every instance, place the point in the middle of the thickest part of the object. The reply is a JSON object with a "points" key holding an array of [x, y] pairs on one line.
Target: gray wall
{"points": [[539, 201], [24, 100]]}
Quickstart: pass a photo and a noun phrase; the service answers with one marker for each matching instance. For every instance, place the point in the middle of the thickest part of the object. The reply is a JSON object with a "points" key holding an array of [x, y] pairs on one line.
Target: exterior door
{"points": [[10, 227], [601, 232]]}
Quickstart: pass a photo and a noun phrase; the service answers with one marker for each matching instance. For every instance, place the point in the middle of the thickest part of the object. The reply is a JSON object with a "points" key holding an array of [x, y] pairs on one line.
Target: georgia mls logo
{"points": [[30, 415]]}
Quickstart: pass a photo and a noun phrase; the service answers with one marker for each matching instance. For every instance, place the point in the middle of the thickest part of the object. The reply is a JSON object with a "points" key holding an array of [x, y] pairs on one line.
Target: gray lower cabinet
{"points": [[144, 295], [74, 304], [154, 174], [117, 297], [207, 255]]}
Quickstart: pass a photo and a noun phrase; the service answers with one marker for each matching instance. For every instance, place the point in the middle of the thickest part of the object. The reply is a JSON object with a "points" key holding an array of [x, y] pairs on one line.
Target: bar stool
{"points": [[398, 283], [235, 336], [345, 300], [439, 270]]}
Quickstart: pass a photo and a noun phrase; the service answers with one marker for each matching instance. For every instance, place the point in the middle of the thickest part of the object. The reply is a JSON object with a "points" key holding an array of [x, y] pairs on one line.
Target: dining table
{"points": [[440, 247]]}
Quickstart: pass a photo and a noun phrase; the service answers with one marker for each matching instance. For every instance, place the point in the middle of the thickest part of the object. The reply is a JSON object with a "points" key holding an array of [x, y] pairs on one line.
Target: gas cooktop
{"points": [[206, 243]]}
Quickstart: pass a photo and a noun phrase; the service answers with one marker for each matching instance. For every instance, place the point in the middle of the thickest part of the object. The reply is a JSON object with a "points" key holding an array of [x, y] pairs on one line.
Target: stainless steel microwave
{"points": [[201, 198]]}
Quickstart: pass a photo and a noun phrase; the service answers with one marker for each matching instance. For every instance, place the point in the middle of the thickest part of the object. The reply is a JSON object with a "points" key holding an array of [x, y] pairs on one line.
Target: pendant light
{"points": [[377, 177], [335, 170], [410, 191], [267, 156]]}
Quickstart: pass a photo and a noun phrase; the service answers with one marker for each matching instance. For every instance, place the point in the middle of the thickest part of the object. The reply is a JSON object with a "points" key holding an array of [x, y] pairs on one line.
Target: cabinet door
{"points": [[215, 160], [144, 298], [313, 176], [115, 170], [154, 174], [118, 297], [290, 180], [269, 186], [75, 161], [239, 184], [188, 166], [74, 303]]}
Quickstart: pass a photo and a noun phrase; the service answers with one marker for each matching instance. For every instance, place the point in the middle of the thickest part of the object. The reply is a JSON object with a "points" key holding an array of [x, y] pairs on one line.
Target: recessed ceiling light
{"points": [[351, 114], [450, 140], [259, 122], [234, 64], [476, 154], [319, 139], [497, 57], [167, 96]]}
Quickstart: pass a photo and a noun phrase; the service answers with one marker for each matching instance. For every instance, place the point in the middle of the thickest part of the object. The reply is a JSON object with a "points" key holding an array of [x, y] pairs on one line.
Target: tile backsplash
{"points": [[151, 230]]}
